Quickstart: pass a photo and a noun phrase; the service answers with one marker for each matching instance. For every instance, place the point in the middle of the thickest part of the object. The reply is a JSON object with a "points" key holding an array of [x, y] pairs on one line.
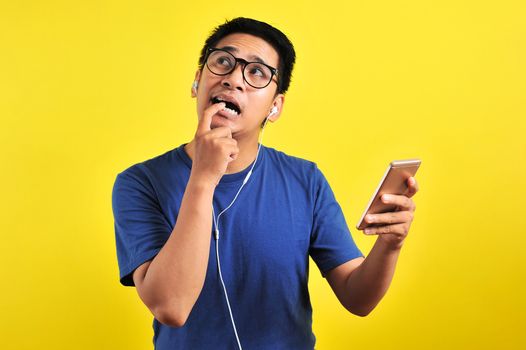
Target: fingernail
{"points": [[369, 218], [386, 197], [367, 231]]}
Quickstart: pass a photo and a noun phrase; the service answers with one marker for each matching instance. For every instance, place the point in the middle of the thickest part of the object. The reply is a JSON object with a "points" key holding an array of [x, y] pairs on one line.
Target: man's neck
{"points": [[247, 154]]}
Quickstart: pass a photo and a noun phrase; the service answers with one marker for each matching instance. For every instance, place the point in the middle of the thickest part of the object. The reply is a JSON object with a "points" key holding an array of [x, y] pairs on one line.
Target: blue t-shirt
{"points": [[285, 212]]}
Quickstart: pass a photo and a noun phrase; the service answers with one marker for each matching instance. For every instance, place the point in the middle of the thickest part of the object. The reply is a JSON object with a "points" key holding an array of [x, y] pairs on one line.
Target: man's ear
{"points": [[278, 102], [195, 83]]}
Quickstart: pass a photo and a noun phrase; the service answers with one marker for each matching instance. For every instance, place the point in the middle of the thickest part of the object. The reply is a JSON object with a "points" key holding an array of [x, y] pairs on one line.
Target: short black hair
{"points": [[273, 36]]}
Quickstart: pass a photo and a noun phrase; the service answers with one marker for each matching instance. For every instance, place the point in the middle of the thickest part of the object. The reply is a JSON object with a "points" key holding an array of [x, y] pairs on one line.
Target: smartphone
{"points": [[394, 181]]}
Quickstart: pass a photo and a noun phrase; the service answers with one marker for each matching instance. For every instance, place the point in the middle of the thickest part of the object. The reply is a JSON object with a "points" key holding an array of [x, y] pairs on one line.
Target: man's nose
{"points": [[235, 80]]}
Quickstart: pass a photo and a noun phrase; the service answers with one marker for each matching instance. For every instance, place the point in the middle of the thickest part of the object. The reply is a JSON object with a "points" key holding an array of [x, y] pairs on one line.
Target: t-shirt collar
{"points": [[226, 179]]}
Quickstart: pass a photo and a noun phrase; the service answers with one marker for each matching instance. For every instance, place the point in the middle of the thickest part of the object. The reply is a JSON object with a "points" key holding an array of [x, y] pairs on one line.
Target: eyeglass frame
{"points": [[273, 70]]}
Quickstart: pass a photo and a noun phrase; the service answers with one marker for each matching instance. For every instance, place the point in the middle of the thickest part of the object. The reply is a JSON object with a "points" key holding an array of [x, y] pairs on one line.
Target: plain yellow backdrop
{"points": [[88, 88]]}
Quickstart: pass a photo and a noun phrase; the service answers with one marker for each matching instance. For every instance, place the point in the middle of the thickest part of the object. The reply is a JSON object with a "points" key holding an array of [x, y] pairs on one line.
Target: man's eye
{"points": [[224, 61], [257, 71]]}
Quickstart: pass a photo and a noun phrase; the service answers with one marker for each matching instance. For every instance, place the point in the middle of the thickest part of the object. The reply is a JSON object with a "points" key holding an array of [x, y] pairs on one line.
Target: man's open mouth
{"points": [[230, 107]]}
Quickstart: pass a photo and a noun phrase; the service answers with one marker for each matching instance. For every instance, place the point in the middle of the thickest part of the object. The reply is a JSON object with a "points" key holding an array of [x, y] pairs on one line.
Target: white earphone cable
{"points": [[216, 234]]}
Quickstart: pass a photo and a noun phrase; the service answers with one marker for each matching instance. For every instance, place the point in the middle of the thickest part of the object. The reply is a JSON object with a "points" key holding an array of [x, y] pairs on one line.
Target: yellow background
{"points": [[88, 88]]}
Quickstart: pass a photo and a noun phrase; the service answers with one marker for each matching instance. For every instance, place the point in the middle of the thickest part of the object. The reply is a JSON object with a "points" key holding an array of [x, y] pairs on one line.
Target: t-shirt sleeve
{"points": [[331, 241], [141, 228]]}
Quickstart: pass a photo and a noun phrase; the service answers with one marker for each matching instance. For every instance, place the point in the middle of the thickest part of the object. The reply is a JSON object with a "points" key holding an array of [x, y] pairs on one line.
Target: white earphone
{"points": [[273, 111], [194, 85]]}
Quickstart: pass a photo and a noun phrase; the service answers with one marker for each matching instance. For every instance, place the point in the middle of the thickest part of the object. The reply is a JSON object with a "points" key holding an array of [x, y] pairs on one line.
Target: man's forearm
{"points": [[369, 282], [176, 276]]}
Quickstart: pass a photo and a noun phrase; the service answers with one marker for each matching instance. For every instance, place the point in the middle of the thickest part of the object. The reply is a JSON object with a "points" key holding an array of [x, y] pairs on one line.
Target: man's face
{"points": [[253, 104]]}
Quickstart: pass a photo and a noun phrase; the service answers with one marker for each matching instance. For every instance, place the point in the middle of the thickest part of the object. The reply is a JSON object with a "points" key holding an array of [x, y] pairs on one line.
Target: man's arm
{"points": [[170, 284], [361, 283]]}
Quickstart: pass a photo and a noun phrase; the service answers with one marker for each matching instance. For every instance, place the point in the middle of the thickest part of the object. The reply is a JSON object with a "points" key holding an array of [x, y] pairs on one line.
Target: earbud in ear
{"points": [[194, 85], [273, 111]]}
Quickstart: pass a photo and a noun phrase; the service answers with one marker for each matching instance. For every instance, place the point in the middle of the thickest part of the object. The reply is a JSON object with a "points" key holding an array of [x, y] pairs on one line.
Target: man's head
{"points": [[273, 36], [248, 65]]}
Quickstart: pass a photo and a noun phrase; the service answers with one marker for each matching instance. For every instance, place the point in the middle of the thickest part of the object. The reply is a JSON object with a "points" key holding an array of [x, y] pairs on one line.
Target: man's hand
{"points": [[214, 148], [393, 226], [360, 283]]}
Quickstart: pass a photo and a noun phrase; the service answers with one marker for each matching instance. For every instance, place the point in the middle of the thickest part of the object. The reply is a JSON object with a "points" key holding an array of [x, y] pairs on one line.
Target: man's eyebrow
{"points": [[253, 58]]}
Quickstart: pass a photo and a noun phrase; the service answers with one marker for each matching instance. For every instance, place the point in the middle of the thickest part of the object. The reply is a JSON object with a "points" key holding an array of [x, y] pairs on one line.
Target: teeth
{"points": [[226, 109], [230, 111]]}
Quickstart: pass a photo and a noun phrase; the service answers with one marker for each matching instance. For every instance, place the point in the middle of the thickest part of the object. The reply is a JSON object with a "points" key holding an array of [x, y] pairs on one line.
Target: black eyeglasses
{"points": [[255, 74]]}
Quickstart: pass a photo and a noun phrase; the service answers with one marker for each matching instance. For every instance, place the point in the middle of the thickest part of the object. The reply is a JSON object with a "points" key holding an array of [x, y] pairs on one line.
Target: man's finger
{"points": [[389, 218], [222, 131], [412, 187], [234, 154], [402, 201], [206, 120], [397, 229]]}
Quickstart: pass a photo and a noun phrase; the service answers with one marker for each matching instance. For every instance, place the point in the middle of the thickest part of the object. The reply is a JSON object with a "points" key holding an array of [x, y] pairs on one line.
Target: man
{"points": [[258, 211]]}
